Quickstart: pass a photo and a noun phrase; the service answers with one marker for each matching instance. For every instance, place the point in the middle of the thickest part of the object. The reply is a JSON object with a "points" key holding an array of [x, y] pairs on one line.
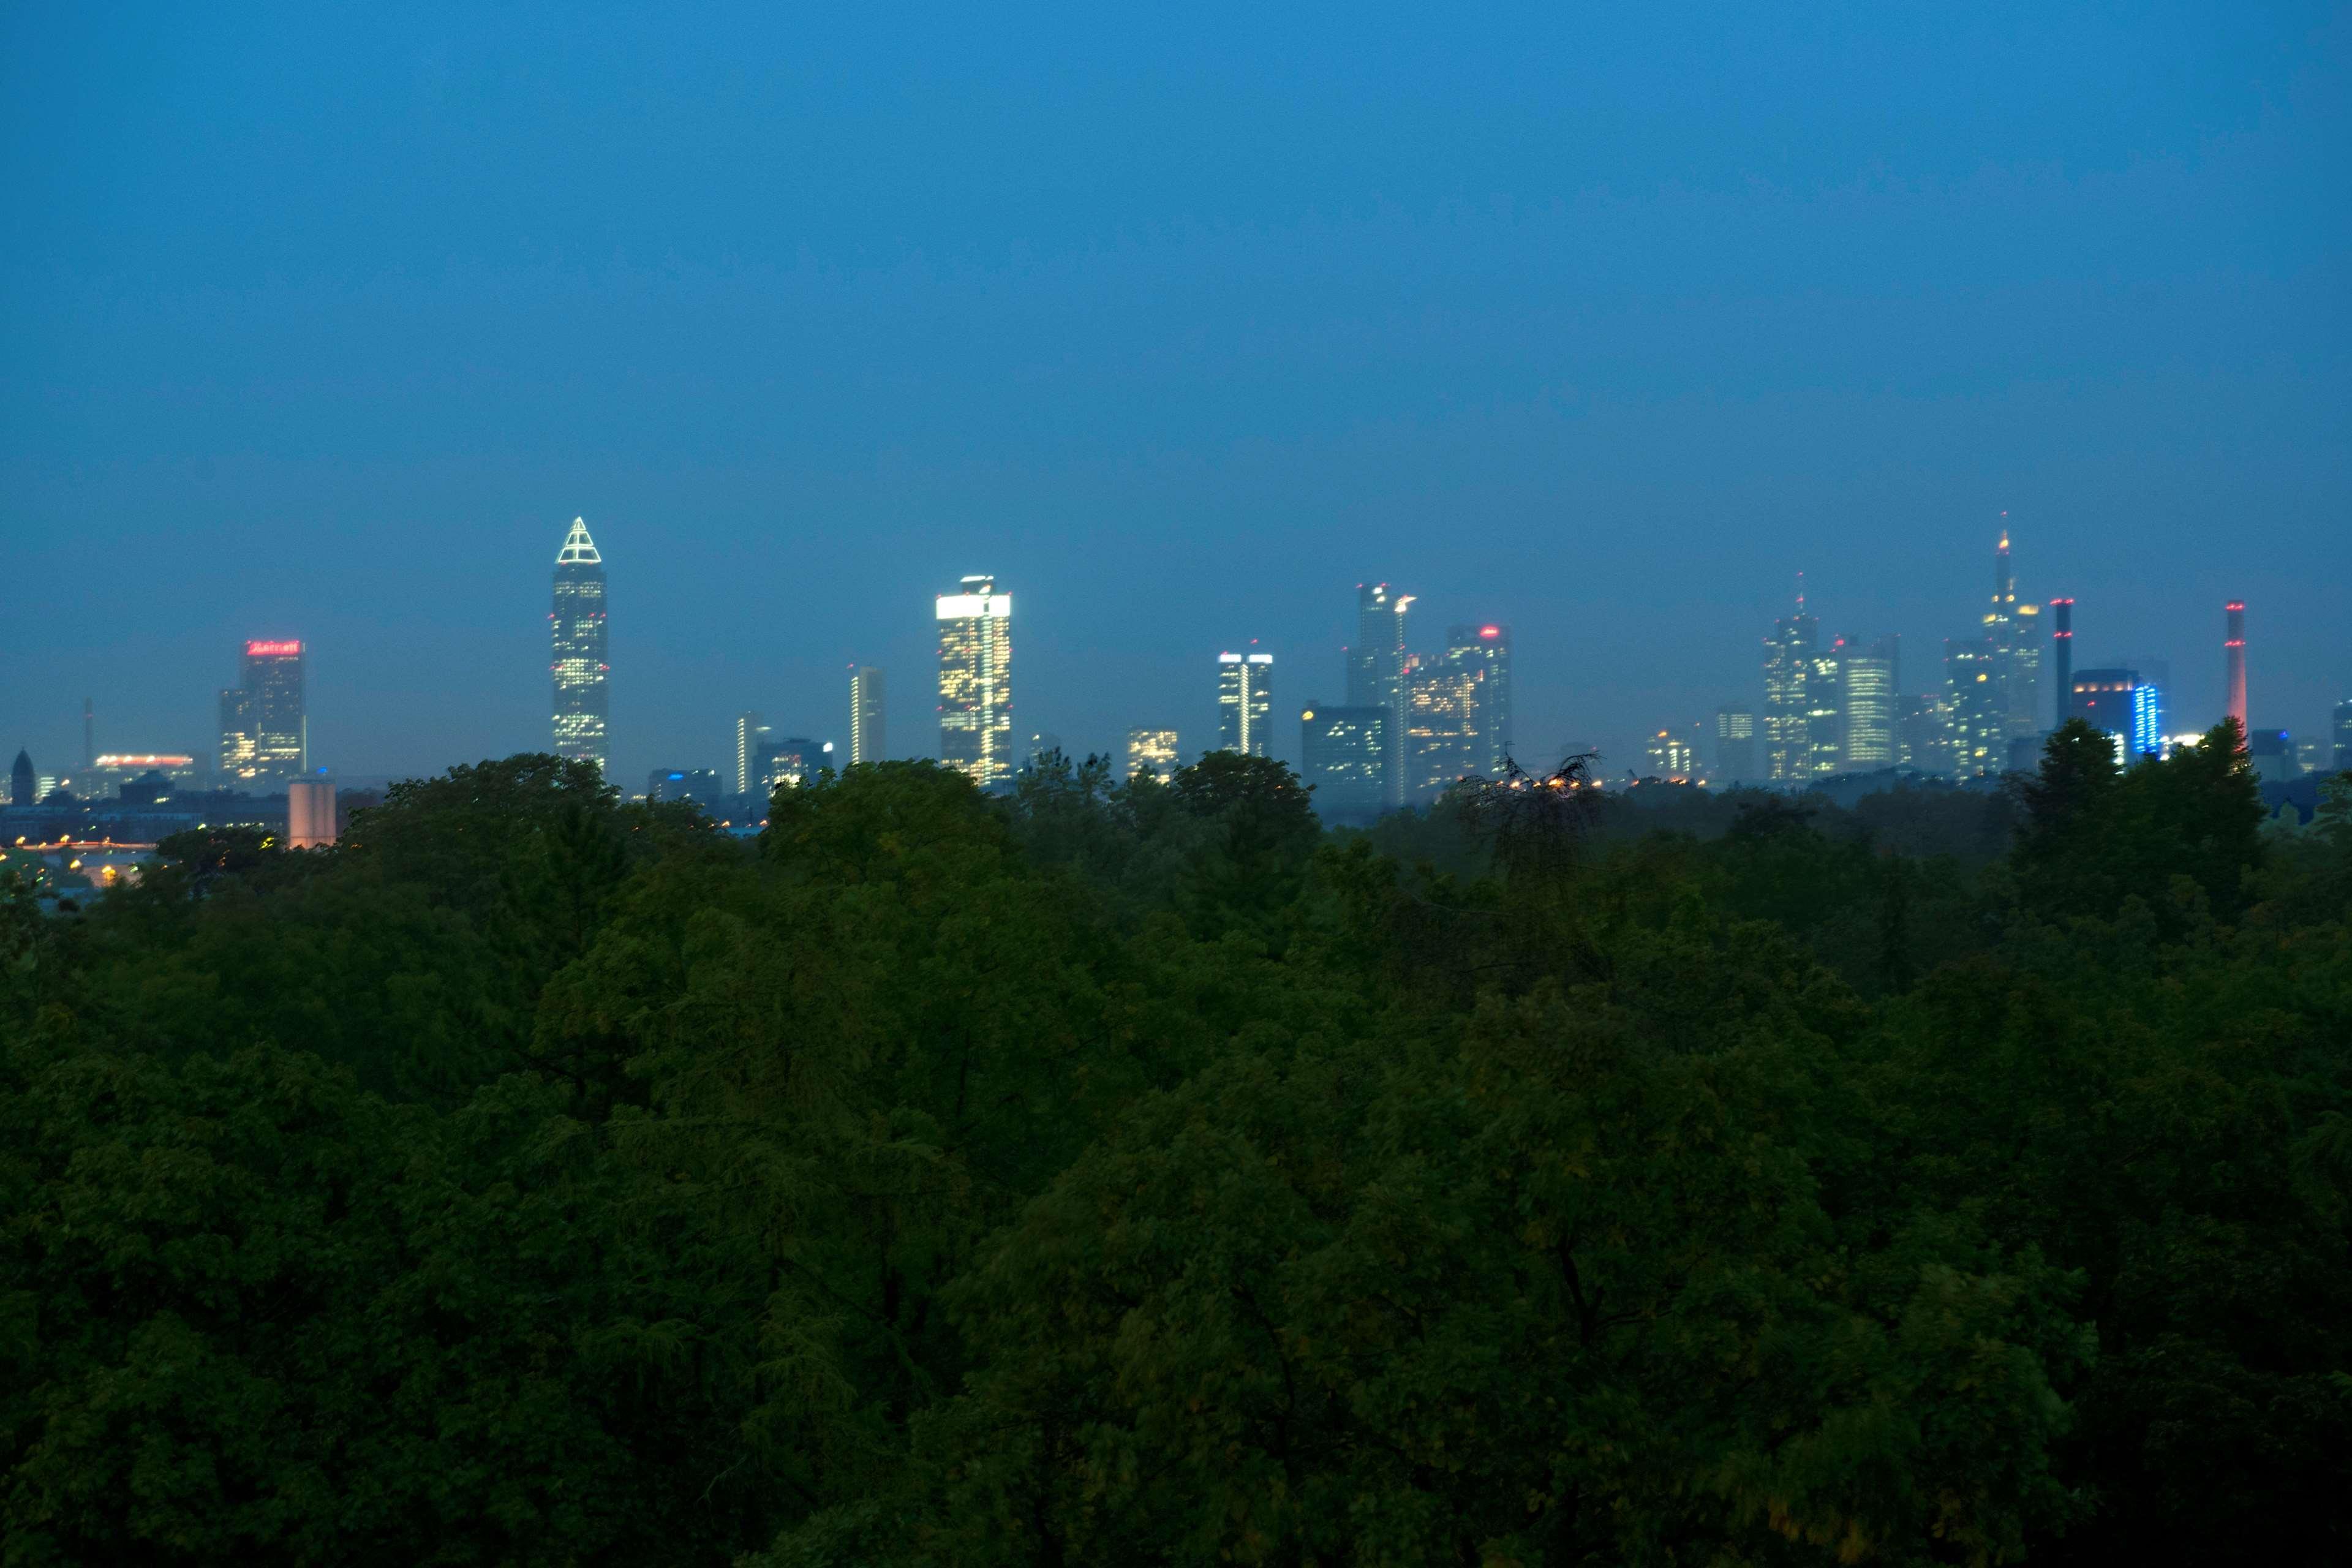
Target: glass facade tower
{"points": [[1871, 675], [1376, 670], [1788, 663], [265, 727], [976, 680], [1244, 698], [867, 742], [579, 667]]}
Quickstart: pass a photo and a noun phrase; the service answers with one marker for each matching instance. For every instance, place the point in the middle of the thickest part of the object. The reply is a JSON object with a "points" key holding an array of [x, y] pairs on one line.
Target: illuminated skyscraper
{"points": [[1923, 732], [2125, 706], [867, 741], [22, 783], [1670, 759], [577, 623], [1376, 669], [788, 763], [1735, 746], [265, 730], [2343, 737], [1487, 651], [2012, 632], [1871, 675], [749, 733], [1825, 709], [1979, 730], [1154, 749], [1343, 757], [1245, 688], [1789, 661], [976, 681]]}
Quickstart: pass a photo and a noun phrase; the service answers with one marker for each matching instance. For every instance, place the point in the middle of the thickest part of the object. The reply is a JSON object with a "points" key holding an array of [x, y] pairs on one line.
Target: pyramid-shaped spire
{"points": [[578, 548]]}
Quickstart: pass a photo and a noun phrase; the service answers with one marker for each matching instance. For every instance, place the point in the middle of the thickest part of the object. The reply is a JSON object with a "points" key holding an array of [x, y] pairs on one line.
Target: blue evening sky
{"points": [[1602, 321]]}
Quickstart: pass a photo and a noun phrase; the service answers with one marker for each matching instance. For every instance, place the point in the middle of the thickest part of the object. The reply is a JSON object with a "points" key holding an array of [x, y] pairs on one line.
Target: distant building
{"points": [[700, 785], [2119, 702], [750, 733], [117, 769], [1669, 756], [265, 727], [2314, 756], [2061, 648], [1245, 699], [1789, 667], [23, 786], [1872, 677], [582, 675], [2233, 660], [1825, 711], [1979, 713], [788, 763], [1923, 733], [1735, 746], [309, 811], [1343, 756], [1376, 669], [1485, 649], [975, 626], [867, 742], [1155, 749], [2012, 634], [1444, 739], [2343, 737], [1041, 744], [2273, 754]]}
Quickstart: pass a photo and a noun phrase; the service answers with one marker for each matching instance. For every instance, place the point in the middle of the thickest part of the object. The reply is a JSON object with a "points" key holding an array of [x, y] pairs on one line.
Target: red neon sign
{"points": [[272, 649], [1490, 631]]}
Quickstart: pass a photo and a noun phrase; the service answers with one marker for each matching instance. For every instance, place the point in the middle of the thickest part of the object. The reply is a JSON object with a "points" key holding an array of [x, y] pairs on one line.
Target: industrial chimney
{"points": [[2233, 650]]}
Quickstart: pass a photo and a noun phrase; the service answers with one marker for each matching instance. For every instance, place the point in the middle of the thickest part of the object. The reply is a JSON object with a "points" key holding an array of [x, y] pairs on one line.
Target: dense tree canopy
{"points": [[1133, 1172]]}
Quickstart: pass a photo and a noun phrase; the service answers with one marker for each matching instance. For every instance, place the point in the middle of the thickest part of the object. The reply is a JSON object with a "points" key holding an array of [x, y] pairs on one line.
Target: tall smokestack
{"points": [[89, 735], [2235, 654], [2062, 639]]}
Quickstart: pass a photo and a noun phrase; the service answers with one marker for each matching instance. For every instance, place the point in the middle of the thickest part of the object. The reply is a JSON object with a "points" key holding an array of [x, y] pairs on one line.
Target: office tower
{"points": [[2233, 658], [2117, 700], [310, 812], [1670, 757], [749, 733], [1979, 730], [1870, 676], [1487, 651], [581, 673], [1155, 749], [1735, 746], [1441, 740], [1923, 733], [22, 785], [2272, 752], [2313, 754], [788, 763], [867, 741], [1825, 709], [1343, 756], [1376, 669], [1245, 688], [700, 785], [264, 731], [1041, 744], [2061, 648], [2012, 632], [1788, 663], [976, 680], [2343, 717]]}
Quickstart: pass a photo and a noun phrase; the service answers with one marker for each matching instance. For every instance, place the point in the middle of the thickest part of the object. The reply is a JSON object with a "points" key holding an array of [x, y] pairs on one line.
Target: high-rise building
{"points": [[2012, 631], [1979, 715], [1376, 669], [2233, 658], [1156, 750], [1486, 649], [2343, 737], [749, 733], [1789, 664], [976, 680], [1040, 745], [577, 625], [700, 785], [788, 763], [1670, 758], [2127, 706], [1442, 739], [2272, 752], [1343, 757], [310, 811], [1923, 733], [1735, 746], [264, 727], [1825, 711], [22, 782], [1871, 675], [867, 743], [2061, 648], [1245, 688]]}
